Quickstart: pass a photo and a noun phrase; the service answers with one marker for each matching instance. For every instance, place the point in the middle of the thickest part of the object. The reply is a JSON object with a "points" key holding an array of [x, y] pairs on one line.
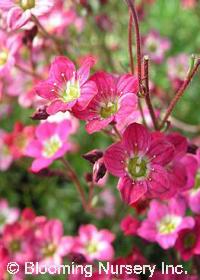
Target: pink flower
{"points": [[178, 67], [20, 12], [19, 139], [189, 4], [116, 101], [164, 222], [94, 244], [129, 225], [8, 215], [139, 161], [192, 163], [52, 246], [188, 242], [50, 144], [156, 46], [66, 88], [19, 242], [8, 49]]}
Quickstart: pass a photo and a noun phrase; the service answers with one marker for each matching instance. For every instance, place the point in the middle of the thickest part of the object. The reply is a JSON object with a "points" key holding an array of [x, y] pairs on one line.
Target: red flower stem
{"points": [[27, 71], [130, 43], [138, 42], [180, 93], [74, 178], [118, 134], [147, 93]]}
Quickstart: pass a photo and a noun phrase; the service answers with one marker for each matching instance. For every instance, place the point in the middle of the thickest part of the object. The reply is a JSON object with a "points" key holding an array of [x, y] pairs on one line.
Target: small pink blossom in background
{"points": [[189, 4], [139, 161], [165, 221], [156, 46], [129, 225], [94, 244], [51, 243], [177, 68], [50, 143], [8, 215], [106, 204], [67, 88], [6, 157], [116, 101], [193, 168], [188, 242], [59, 18], [20, 12], [19, 139], [8, 50]]}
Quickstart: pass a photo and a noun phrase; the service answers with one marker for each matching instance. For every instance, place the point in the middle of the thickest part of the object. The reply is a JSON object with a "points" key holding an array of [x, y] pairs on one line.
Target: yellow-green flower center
{"points": [[27, 4], [169, 224], [15, 246], [72, 91], [108, 109], [49, 250], [196, 187], [137, 167], [92, 247], [51, 146], [2, 219], [189, 240], [3, 57]]}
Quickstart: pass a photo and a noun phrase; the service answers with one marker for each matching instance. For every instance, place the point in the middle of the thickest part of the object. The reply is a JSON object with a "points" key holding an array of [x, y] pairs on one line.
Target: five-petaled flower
{"points": [[139, 160], [116, 101], [65, 87]]}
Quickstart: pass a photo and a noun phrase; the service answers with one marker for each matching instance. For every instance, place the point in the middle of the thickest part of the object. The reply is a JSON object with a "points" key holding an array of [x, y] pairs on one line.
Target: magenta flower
{"points": [[50, 143], [94, 244], [139, 161], [164, 222], [116, 101], [19, 12], [188, 242], [156, 46], [129, 225], [6, 157], [66, 88], [8, 215]]}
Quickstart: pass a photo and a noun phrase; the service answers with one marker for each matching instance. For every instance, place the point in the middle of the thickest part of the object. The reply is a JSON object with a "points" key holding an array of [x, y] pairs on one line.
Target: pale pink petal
{"points": [[40, 163], [84, 71], [97, 125]]}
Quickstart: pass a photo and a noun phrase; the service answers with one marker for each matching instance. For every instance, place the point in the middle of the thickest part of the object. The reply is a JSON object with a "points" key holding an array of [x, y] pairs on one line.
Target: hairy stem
{"points": [[74, 178], [180, 93], [138, 42], [130, 43], [147, 92]]}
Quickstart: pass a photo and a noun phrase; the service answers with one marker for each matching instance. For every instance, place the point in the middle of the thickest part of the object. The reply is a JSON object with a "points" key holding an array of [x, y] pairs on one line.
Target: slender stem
{"points": [[147, 92], [180, 93], [57, 41], [184, 126], [117, 132], [27, 71], [130, 43], [141, 112], [73, 176], [138, 42]]}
